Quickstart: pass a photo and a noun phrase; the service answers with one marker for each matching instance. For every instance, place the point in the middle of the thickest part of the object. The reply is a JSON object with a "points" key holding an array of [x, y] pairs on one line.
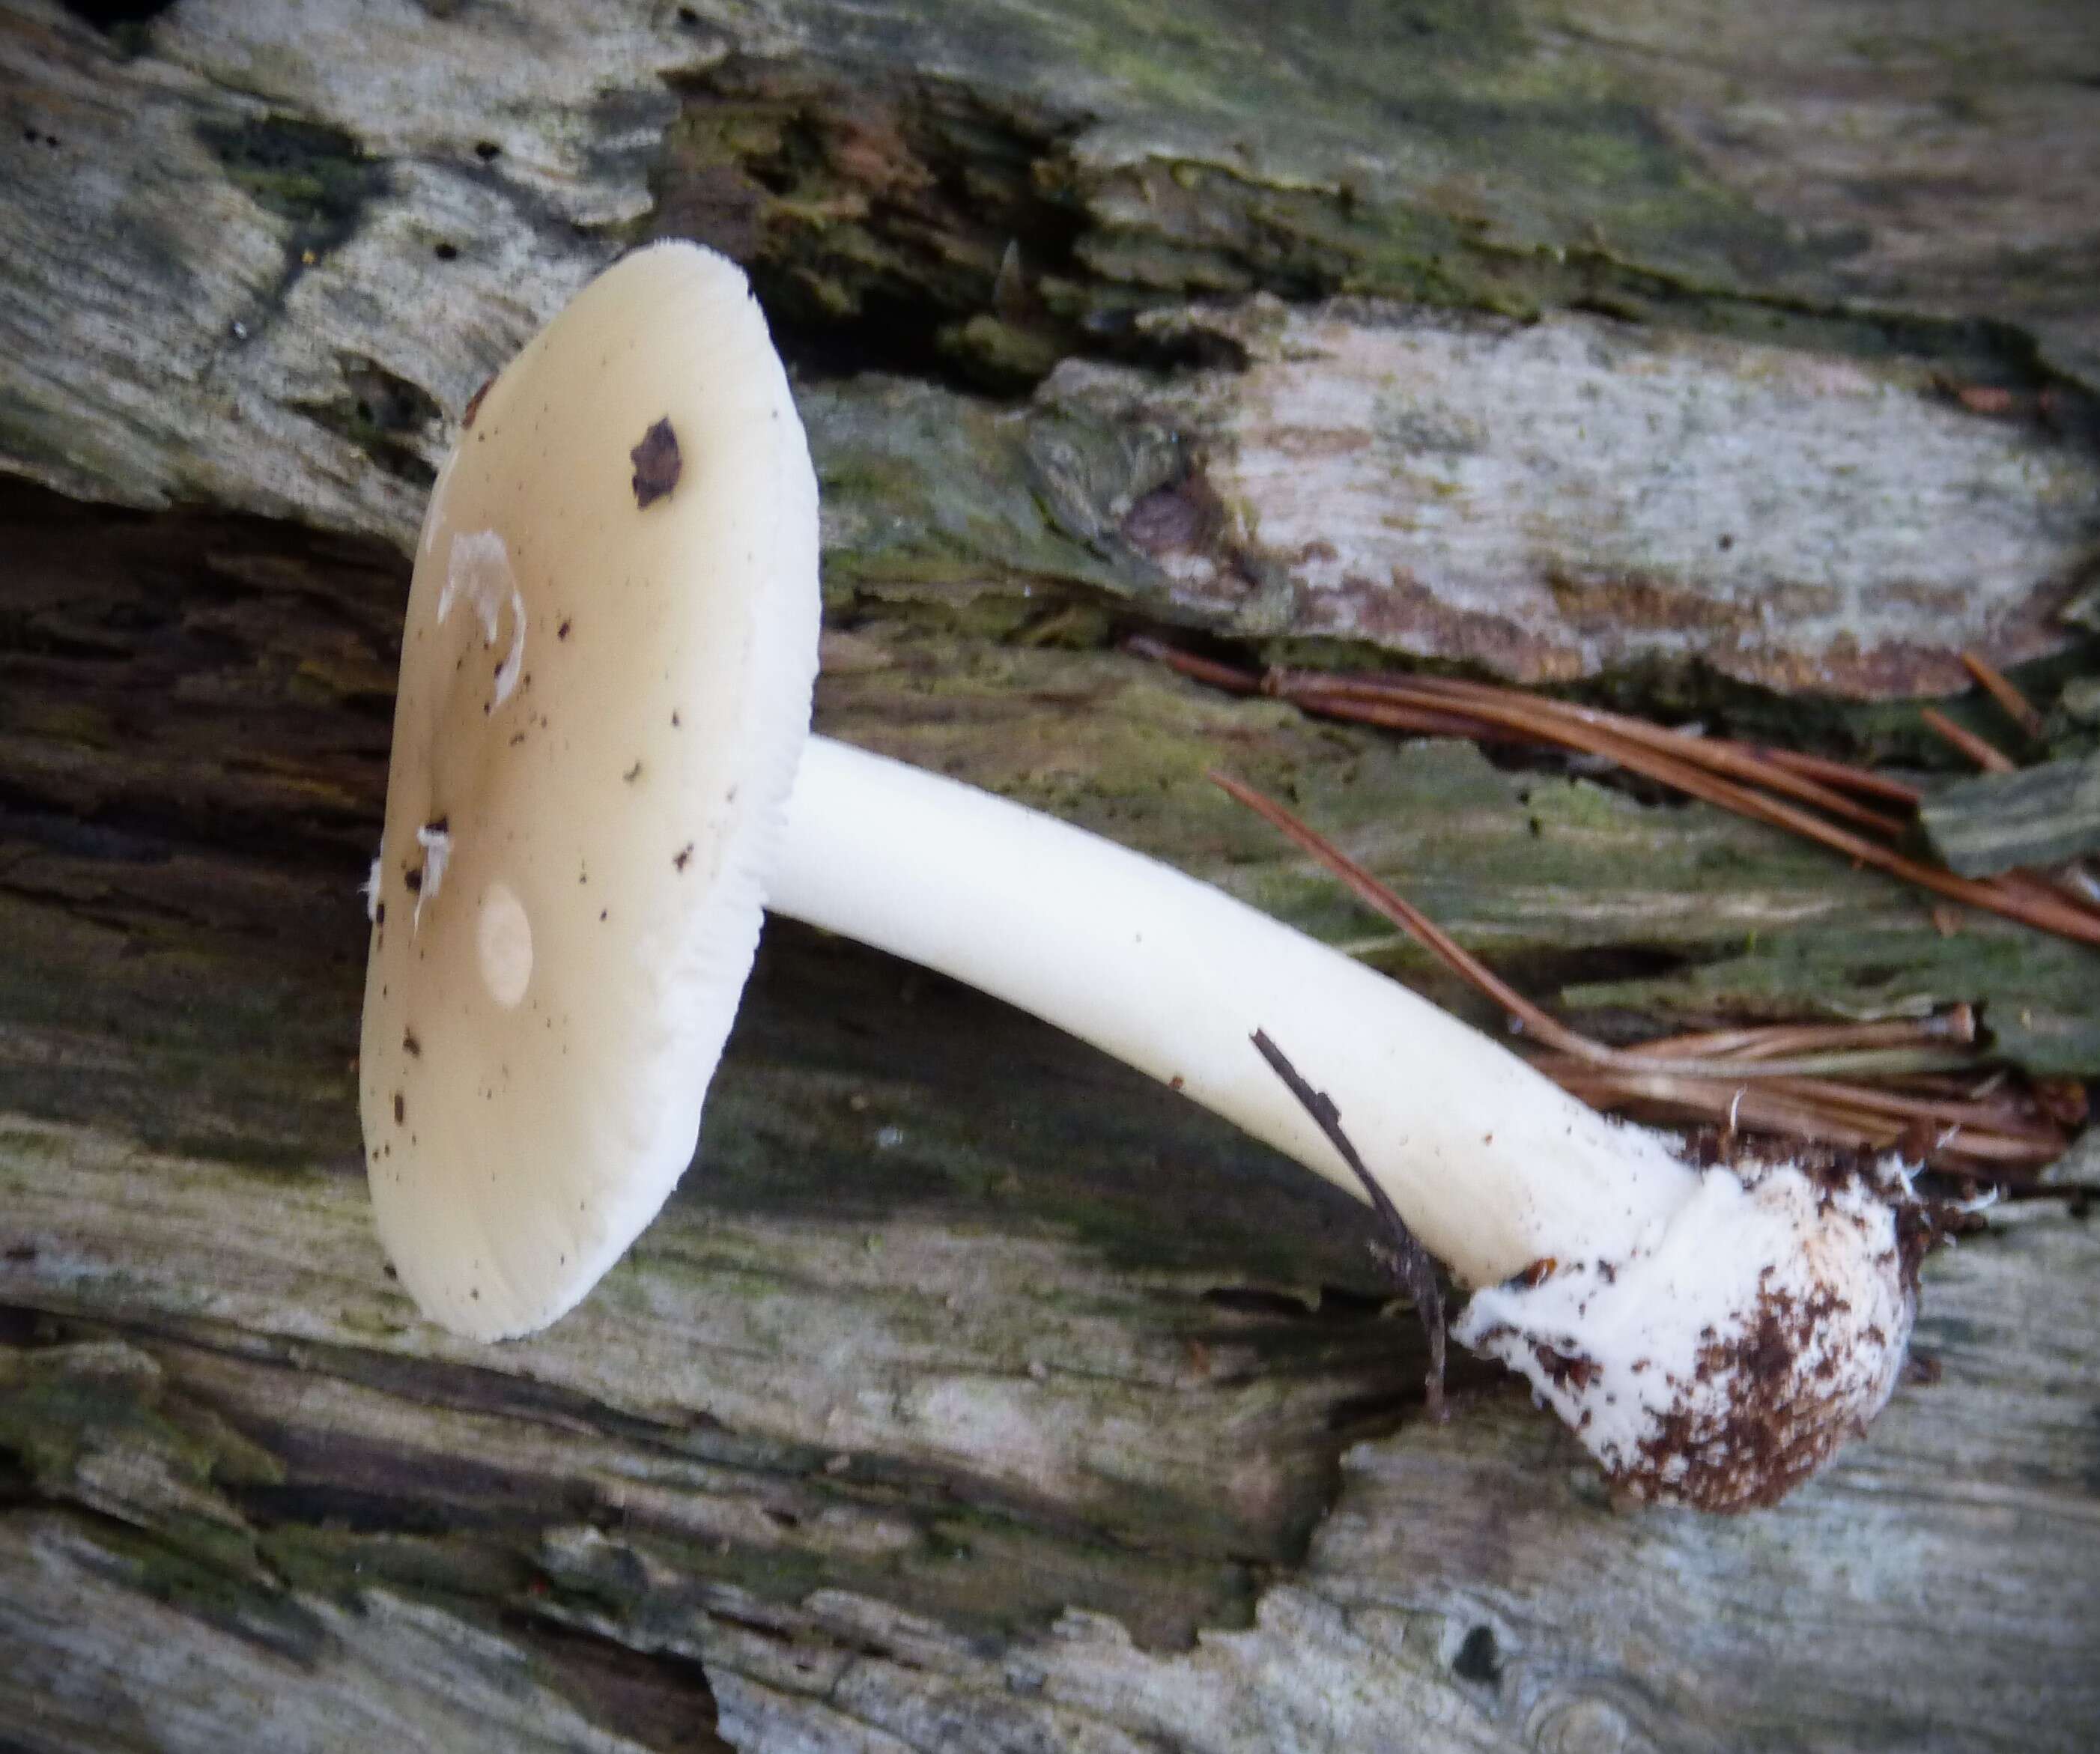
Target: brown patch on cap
{"points": [[657, 464], [473, 404]]}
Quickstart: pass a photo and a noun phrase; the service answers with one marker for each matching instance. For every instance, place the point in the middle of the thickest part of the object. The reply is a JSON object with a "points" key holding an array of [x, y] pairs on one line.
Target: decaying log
{"points": [[1729, 363], [2043, 816]]}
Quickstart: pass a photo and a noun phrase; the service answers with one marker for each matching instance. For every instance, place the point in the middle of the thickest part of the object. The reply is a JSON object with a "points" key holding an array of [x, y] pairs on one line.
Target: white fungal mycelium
{"points": [[436, 842], [479, 568]]}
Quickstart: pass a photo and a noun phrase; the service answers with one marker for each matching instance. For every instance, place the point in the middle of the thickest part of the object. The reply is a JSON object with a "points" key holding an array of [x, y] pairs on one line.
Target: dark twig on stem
{"points": [[1403, 1255]]}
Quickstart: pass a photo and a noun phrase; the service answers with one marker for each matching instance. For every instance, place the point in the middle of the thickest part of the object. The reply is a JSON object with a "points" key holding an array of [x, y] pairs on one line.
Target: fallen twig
{"points": [[1407, 1261]]}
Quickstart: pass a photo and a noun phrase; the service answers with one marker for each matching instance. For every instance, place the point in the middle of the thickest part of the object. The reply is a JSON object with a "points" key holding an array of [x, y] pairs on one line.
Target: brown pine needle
{"points": [[1541, 1025], [1575, 727], [1980, 750], [1999, 686], [2074, 882], [1955, 1025], [2000, 1143], [1769, 1079], [1224, 676], [1412, 920], [1596, 731], [1844, 776], [1670, 758], [1766, 786]]}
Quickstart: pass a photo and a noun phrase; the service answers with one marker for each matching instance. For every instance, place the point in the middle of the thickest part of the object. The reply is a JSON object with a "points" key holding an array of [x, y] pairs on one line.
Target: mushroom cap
{"points": [[605, 672]]}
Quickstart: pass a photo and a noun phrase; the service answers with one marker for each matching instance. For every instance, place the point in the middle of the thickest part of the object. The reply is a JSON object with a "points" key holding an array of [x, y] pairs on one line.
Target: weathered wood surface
{"points": [[348, 220], [2039, 816], [972, 1394]]}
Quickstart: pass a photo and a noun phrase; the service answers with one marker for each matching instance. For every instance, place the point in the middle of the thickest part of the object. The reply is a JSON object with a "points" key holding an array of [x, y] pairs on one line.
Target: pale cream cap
{"points": [[606, 672]]}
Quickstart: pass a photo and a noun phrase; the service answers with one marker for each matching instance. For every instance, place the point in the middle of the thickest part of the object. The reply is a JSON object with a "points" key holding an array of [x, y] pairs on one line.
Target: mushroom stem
{"points": [[1711, 1337], [1493, 1167]]}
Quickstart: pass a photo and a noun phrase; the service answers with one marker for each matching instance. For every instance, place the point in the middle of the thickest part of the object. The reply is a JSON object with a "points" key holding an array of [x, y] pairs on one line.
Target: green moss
{"points": [[974, 1570], [95, 1425], [237, 1600], [315, 176], [2034, 992], [336, 1563], [61, 1406], [940, 497], [1438, 152]]}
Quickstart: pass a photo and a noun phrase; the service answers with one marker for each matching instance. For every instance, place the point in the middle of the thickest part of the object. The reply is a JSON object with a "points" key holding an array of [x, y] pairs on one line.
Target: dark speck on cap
{"points": [[657, 464]]}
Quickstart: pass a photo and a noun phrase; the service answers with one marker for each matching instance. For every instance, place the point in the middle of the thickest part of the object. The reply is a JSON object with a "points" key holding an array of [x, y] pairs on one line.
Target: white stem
{"points": [[1493, 1167]]}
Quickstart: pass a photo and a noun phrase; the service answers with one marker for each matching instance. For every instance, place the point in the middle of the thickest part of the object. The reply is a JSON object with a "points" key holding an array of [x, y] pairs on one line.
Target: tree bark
{"points": [[972, 1393]]}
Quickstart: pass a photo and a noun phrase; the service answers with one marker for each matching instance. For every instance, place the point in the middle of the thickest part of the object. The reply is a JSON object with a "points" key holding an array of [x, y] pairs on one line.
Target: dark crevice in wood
{"points": [[659, 1700], [485, 1389], [904, 223], [105, 16], [348, 1511], [384, 415], [21, 1326], [942, 180], [192, 681]]}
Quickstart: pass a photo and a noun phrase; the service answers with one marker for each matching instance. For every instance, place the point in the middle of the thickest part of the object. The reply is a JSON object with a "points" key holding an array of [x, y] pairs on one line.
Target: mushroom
{"points": [[605, 667], [612, 746]]}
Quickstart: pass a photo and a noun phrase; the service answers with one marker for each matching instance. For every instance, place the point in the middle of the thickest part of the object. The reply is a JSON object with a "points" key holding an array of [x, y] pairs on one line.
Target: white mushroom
{"points": [[634, 492], [606, 670]]}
